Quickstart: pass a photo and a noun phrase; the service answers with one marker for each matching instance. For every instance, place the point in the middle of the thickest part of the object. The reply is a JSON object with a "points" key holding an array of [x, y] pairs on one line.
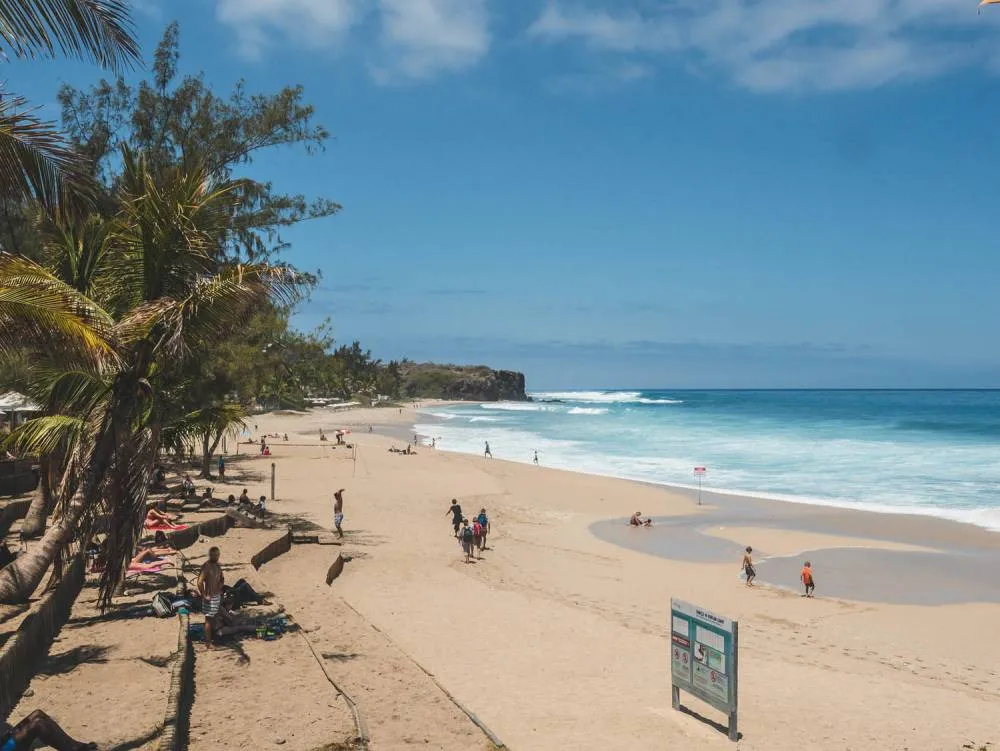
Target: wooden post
{"points": [[734, 733], [272, 481]]}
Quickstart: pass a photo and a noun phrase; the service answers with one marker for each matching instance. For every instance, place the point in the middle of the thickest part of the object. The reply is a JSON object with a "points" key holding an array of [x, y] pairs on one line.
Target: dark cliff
{"points": [[465, 382]]}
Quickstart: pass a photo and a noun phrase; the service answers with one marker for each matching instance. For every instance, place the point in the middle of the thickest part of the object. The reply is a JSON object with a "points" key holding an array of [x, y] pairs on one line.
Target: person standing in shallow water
{"points": [[487, 454], [807, 579], [748, 568], [536, 458]]}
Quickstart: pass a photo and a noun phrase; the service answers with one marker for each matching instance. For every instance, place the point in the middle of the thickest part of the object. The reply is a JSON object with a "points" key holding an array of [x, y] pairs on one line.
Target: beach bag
{"points": [[162, 605]]}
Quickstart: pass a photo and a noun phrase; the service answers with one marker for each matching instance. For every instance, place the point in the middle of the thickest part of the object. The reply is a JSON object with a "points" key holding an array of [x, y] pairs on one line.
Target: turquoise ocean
{"points": [[924, 452]]}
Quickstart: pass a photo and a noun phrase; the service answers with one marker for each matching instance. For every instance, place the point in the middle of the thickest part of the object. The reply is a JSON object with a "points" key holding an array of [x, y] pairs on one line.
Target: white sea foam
{"points": [[852, 465], [597, 397], [514, 406], [601, 397]]}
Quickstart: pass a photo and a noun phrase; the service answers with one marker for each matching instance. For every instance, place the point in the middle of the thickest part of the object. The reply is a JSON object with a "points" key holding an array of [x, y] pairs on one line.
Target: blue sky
{"points": [[636, 193]]}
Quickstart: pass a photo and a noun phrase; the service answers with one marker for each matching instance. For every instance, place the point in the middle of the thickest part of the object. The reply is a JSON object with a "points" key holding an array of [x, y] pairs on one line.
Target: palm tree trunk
{"points": [[42, 504], [20, 579], [206, 457]]}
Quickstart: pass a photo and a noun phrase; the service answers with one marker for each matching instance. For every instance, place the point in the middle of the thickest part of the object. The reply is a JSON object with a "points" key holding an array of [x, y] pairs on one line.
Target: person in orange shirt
{"points": [[807, 579]]}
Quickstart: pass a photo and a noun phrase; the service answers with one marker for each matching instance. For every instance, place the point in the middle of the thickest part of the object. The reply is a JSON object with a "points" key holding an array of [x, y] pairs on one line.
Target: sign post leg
{"points": [[675, 697], [699, 490]]}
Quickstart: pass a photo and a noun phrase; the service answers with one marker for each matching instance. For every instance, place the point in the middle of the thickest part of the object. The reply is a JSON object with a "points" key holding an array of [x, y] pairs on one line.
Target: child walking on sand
{"points": [[748, 568], [807, 579]]}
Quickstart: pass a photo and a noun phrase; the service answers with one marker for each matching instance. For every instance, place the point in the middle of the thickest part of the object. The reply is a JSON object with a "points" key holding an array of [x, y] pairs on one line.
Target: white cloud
{"points": [[423, 37], [313, 23], [416, 38], [784, 44]]}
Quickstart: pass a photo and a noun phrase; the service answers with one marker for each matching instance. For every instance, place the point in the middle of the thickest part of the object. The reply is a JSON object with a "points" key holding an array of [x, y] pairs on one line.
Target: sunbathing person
{"points": [[158, 520], [38, 727]]}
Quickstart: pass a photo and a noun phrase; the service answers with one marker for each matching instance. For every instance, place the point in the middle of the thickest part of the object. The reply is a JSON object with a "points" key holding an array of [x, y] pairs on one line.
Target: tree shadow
{"points": [[140, 742], [62, 663], [127, 613], [297, 524]]}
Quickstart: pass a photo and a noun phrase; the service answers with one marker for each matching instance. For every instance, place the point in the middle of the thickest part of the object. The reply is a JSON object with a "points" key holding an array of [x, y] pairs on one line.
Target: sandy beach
{"points": [[558, 636]]}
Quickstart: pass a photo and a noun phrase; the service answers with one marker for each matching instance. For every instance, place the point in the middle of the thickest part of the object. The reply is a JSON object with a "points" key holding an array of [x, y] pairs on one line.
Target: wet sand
{"points": [[857, 555]]}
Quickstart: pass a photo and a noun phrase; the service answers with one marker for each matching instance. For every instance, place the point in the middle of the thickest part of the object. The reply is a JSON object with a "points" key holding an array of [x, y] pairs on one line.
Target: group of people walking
{"points": [[472, 537]]}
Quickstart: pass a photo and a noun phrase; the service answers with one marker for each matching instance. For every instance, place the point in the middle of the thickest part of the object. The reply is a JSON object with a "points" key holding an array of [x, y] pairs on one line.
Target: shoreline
{"points": [[955, 516]]}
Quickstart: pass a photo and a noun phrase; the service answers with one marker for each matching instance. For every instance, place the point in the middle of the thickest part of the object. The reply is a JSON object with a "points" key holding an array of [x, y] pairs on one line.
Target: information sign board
{"points": [[703, 658]]}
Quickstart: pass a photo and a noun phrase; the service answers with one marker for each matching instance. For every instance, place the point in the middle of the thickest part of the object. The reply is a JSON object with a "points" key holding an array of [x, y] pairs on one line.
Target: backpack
{"points": [[483, 521], [467, 533], [162, 605], [477, 529]]}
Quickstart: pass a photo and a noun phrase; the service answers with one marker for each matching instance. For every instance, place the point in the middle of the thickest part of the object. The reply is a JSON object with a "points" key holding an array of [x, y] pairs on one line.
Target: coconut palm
{"points": [[34, 159], [161, 289]]}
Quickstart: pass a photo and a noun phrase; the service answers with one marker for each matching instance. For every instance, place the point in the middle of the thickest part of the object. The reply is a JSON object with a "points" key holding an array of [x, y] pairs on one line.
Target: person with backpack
{"points": [[467, 537], [484, 526], [477, 537]]}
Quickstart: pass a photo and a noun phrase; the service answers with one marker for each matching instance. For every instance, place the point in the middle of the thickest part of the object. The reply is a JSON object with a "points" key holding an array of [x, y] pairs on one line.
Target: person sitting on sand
{"points": [[286, 437], [38, 727], [807, 579], [467, 538], [231, 500], [638, 521], [322, 435], [210, 583], [456, 515], [187, 487], [244, 497], [748, 568]]}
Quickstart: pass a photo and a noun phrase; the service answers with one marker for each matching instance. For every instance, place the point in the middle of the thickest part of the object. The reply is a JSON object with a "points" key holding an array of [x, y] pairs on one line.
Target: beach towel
{"points": [[165, 527]]}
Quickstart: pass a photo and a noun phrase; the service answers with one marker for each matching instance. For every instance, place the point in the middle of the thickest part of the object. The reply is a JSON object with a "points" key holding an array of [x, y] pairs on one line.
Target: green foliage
{"points": [[181, 120]]}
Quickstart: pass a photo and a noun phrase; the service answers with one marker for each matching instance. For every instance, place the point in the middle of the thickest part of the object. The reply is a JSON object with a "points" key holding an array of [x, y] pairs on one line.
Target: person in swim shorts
{"points": [[38, 727], [748, 568], [210, 583], [338, 511]]}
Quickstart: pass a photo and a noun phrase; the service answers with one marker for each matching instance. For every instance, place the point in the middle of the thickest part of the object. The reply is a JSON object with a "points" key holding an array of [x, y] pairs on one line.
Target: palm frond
{"points": [[218, 419], [78, 250], [170, 227], [221, 303], [36, 163], [41, 312], [43, 435], [100, 30]]}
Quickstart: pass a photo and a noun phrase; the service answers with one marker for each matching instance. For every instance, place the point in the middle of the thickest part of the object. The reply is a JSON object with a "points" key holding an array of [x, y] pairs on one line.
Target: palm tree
{"points": [[35, 161], [161, 288]]}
